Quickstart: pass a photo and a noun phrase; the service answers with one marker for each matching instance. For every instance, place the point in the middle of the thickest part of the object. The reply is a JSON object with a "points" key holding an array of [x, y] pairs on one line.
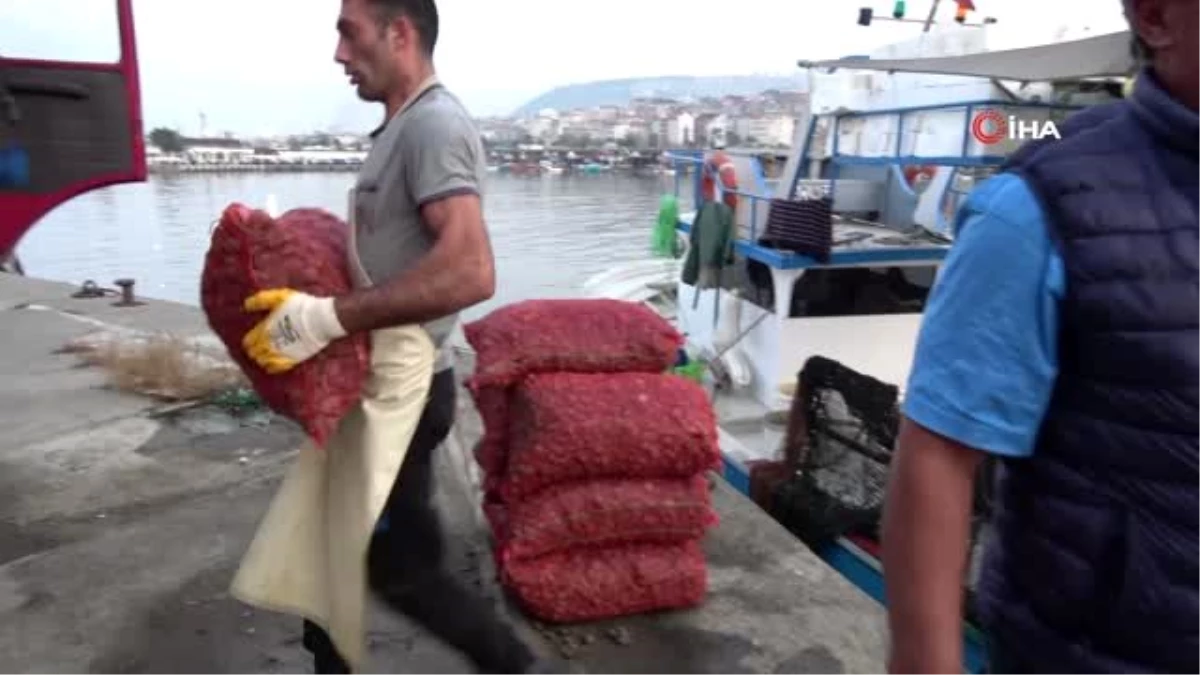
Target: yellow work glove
{"points": [[298, 327]]}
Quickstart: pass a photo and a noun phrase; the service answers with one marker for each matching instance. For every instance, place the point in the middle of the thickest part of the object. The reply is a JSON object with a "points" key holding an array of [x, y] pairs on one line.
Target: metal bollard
{"points": [[127, 299], [89, 289]]}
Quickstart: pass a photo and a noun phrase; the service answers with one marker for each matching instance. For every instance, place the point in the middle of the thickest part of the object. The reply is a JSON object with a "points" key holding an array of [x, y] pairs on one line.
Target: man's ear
{"points": [[400, 33], [1150, 23]]}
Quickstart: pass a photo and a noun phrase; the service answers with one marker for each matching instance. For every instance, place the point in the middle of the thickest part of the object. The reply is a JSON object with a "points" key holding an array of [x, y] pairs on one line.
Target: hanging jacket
{"points": [[711, 249]]}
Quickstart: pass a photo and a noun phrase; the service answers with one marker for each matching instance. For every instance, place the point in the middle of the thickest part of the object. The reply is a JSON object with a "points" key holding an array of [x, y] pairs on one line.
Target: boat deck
{"points": [[855, 242]]}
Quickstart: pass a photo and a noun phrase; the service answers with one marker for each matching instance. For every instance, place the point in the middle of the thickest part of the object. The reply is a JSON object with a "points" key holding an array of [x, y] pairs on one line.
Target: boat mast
{"points": [[932, 13]]}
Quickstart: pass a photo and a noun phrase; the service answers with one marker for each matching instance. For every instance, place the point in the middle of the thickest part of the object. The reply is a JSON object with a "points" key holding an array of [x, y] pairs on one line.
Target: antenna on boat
{"points": [[932, 13]]}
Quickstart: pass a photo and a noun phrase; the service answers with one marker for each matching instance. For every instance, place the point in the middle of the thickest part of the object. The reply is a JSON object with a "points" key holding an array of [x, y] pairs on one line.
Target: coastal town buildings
{"points": [[765, 121]]}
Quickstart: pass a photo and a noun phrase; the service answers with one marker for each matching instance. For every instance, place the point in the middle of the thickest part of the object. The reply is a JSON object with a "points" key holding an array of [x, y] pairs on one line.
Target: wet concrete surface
{"points": [[120, 530], [141, 586]]}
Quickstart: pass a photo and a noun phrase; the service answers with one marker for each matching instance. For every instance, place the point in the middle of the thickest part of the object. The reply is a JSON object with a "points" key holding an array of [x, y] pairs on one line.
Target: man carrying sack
{"points": [[361, 512]]}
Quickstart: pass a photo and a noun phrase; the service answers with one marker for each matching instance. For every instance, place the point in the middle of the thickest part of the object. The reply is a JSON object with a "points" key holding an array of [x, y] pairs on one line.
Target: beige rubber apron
{"points": [[309, 555]]}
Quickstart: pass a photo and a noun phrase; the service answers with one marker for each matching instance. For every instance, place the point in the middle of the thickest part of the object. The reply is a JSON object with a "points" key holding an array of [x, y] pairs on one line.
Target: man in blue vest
{"points": [[1062, 339]]}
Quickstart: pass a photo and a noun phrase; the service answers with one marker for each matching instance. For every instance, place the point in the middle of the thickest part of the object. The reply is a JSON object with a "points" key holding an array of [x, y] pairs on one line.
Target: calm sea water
{"points": [[550, 233]]}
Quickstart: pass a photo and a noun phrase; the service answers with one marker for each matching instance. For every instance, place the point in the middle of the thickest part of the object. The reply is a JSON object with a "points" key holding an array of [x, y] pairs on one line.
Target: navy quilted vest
{"points": [[1094, 568]]}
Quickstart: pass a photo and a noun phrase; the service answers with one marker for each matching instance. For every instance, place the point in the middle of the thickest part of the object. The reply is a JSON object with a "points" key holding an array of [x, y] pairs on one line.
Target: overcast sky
{"points": [[266, 66]]}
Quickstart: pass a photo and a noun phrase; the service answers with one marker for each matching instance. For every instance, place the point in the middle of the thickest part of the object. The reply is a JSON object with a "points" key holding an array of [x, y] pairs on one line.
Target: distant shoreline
{"points": [[222, 168], [169, 169]]}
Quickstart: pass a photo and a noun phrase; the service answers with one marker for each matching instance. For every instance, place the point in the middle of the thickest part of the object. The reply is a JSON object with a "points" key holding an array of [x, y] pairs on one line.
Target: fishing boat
{"points": [[48, 155], [808, 337]]}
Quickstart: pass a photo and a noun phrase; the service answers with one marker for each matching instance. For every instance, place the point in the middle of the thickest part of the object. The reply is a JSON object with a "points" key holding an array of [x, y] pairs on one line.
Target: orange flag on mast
{"points": [[964, 6]]}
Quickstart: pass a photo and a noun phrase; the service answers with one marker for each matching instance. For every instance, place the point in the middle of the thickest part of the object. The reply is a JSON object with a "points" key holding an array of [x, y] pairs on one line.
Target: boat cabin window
{"points": [[859, 291], [37, 30]]}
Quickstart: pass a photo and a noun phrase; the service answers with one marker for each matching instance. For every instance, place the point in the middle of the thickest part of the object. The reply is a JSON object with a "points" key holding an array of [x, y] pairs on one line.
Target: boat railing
{"points": [[779, 259], [1035, 110], [818, 147], [973, 153], [694, 159], [898, 154]]}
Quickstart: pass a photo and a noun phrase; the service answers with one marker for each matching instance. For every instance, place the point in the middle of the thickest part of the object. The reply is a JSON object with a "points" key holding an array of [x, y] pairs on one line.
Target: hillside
{"points": [[621, 92]]}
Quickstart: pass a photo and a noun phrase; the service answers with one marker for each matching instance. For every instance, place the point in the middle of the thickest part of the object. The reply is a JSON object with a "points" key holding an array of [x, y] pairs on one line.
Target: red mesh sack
{"points": [[604, 513], [588, 335], [577, 426], [593, 584], [304, 249], [491, 456], [492, 403]]}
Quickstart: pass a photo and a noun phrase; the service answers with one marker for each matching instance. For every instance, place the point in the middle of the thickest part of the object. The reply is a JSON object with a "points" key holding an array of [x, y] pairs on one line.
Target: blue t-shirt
{"points": [[987, 355]]}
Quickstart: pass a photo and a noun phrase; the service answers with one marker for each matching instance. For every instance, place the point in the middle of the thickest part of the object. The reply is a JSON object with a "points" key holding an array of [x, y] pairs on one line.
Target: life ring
{"points": [[719, 164], [916, 172]]}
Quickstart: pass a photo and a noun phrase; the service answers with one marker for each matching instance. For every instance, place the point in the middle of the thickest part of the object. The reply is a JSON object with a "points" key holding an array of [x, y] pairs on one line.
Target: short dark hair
{"points": [[1138, 47], [422, 13]]}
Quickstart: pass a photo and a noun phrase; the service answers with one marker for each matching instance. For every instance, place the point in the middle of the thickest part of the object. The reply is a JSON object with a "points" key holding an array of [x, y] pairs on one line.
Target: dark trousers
{"points": [[1005, 661], [405, 561]]}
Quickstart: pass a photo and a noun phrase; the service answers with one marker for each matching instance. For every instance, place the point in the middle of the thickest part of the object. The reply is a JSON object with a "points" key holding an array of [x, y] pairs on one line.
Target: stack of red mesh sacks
{"points": [[594, 458]]}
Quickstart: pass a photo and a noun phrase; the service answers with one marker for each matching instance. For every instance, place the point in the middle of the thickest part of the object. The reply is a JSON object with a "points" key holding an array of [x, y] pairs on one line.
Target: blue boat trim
{"points": [[735, 475], [864, 571], [942, 160]]}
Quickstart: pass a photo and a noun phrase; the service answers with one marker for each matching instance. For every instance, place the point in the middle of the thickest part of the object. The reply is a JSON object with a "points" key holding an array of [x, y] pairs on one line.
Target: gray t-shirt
{"points": [[430, 151]]}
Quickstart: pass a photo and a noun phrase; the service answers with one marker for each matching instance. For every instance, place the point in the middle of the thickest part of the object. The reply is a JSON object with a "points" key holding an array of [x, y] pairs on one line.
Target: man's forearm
{"points": [[926, 537], [439, 285]]}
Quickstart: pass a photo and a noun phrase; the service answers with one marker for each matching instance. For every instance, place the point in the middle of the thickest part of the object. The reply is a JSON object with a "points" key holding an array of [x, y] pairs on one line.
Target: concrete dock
{"points": [[121, 526]]}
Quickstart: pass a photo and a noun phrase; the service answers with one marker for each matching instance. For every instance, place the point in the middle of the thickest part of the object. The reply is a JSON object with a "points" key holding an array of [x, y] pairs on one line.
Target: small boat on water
{"points": [[524, 169], [814, 326]]}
